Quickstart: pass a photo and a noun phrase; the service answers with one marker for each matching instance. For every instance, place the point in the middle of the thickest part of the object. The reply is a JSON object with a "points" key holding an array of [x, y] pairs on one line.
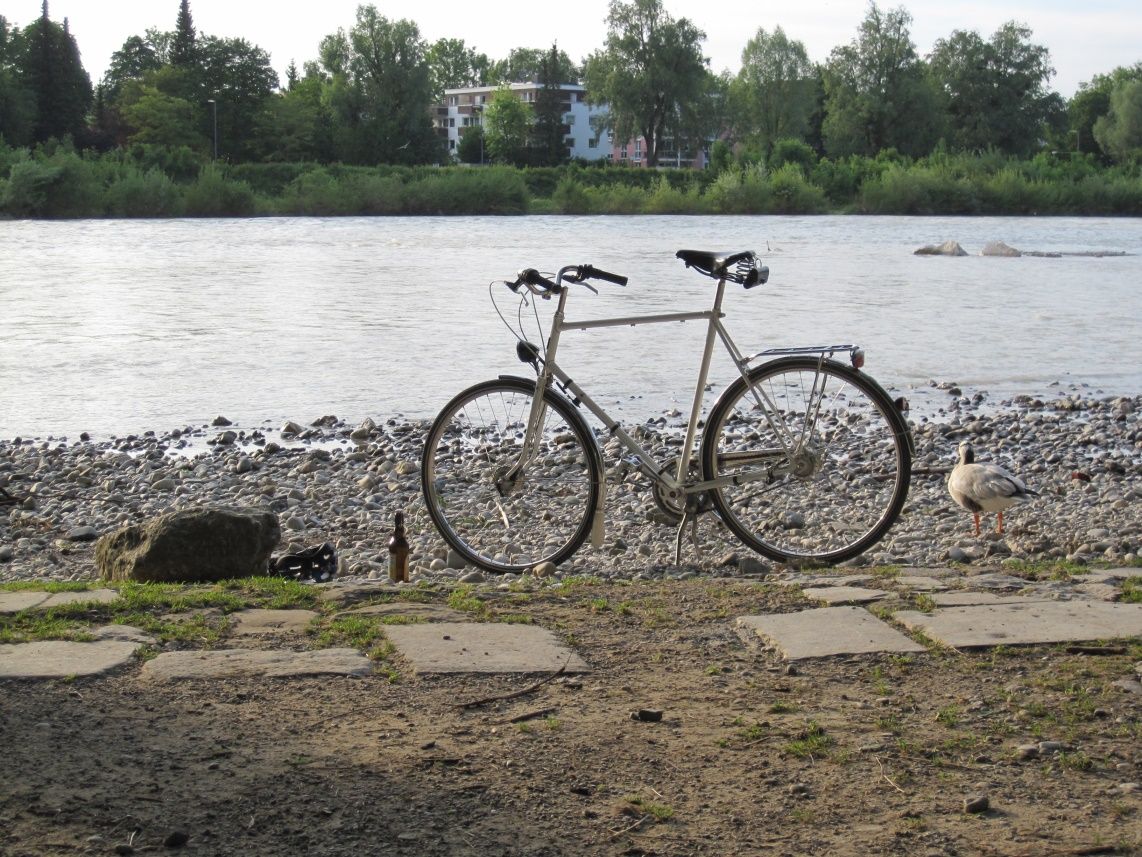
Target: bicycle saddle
{"points": [[746, 267]]}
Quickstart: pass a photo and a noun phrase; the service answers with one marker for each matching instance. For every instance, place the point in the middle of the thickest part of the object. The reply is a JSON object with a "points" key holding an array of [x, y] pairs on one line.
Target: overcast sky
{"points": [[1084, 38]]}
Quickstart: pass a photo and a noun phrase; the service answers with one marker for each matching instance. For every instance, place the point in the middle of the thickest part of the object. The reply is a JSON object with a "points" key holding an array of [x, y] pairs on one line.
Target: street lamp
{"points": [[214, 109]]}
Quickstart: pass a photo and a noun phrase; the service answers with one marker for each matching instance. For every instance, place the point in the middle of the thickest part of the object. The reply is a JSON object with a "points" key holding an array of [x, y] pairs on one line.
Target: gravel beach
{"points": [[330, 481]]}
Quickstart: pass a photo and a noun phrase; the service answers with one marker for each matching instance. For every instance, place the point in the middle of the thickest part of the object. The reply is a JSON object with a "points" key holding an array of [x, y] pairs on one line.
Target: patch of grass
{"points": [[660, 812], [356, 632], [812, 742], [196, 629], [274, 593], [782, 707], [1076, 761], [924, 602], [948, 716], [578, 581], [890, 723], [886, 571], [30, 626], [599, 605], [462, 598], [514, 619], [50, 587], [1132, 590]]}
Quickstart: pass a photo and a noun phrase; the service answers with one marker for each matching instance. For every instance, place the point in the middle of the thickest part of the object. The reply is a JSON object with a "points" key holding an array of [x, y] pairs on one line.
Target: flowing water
{"points": [[123, 326]]}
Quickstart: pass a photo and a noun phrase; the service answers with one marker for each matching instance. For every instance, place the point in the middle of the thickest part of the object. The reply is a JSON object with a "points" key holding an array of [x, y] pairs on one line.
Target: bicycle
{"points": [[804, 458]]}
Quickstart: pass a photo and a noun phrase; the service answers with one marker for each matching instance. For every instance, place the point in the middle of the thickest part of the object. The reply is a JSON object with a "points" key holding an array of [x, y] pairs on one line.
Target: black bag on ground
{"points": [[317, 564]]}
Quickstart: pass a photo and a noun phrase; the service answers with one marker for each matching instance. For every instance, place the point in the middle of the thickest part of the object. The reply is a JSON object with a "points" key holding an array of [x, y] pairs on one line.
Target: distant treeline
{"points": [[54, 181]]}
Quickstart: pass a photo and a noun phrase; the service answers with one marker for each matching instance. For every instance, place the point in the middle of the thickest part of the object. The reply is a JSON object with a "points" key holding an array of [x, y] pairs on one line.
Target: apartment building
{"points": [[463, 109]]}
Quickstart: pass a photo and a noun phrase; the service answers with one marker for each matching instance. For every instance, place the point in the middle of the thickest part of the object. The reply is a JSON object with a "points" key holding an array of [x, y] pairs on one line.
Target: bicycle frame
{"points": [[676, 484]]}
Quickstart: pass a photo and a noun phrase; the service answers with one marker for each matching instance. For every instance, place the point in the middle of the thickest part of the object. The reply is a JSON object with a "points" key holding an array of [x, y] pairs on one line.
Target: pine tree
{"points": [[51, 70], [184, 48]]}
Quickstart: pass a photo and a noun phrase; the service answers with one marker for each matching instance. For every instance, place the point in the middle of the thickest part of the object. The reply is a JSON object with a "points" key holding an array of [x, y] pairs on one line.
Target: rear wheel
{"points": [[493, 513], [818, 457]]}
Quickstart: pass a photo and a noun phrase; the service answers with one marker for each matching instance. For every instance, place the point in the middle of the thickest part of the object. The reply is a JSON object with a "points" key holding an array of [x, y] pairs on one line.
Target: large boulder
{"points": [[948, 248], [189, 546], [998, 248]]}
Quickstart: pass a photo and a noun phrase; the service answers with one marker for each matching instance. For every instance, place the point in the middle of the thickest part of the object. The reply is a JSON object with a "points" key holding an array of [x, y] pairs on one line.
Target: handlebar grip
{"points": [[532, 277], [596, 274]]}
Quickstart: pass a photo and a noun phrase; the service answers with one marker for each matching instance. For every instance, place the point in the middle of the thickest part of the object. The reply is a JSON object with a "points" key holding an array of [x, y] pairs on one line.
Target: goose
{"points": [[985, 487]]}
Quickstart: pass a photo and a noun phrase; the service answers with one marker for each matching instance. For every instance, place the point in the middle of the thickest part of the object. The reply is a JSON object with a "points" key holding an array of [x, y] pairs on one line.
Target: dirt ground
{"points": [[859, 755]]}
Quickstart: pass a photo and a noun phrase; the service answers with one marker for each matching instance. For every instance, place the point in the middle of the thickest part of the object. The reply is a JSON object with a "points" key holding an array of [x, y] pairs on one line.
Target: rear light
{"points": [[857, 358]]}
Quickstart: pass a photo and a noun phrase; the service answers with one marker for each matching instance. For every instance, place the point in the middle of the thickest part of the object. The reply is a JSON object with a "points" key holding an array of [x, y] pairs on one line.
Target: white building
{"points": [[463, 109]]}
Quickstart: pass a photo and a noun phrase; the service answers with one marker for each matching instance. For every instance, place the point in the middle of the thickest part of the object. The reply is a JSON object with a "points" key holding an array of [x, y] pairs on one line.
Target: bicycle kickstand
{"points": [[690, 518]]}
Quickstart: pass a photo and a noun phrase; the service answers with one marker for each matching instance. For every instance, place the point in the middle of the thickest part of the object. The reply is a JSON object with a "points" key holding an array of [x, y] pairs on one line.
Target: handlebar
{"points": [[537, 283]]}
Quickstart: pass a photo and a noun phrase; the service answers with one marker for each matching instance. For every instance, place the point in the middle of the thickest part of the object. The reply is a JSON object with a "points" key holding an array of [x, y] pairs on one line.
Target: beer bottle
{"points": [[398, 552]]}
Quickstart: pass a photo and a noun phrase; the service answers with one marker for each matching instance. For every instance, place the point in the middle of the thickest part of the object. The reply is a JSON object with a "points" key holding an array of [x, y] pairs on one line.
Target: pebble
{"points": [[342, 483]]}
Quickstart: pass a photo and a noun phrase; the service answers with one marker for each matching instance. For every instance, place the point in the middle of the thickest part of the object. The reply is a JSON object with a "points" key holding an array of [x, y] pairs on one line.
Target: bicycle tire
{"points": [[475, 440], [847, 479]]}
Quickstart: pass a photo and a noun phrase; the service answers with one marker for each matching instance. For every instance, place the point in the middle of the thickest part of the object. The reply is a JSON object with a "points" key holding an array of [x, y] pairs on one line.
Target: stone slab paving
{"points": [[834, 595], [411, 610], [469, 647], [258, 622], [964, 597], [245, 663], [61, 658], [14, 602], [1099, 591], [921, 583], [828, 631], [1026, 624]]}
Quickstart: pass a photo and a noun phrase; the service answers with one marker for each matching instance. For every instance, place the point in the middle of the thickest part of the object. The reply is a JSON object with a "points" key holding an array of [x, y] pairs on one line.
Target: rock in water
{"points": [[948, 248], [998, 248], [190, 545]]}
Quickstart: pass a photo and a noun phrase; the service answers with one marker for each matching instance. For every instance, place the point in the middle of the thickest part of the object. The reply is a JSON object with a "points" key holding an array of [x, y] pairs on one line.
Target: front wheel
{"points": [[813, 458], [502, 507]]}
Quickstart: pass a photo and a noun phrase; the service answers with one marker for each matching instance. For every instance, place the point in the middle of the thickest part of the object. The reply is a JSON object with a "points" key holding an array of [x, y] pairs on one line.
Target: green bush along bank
{"points": [[53, 181]]}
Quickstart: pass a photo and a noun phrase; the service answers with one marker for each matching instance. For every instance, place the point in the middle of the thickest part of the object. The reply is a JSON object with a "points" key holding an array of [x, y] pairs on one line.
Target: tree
{"points": [[996, 91], [773, 92], [50, 69], [877, 93], [380, 90], [549, 133], [454, 65], [137, 57], [1119, 132], [1092, 101], [471, 148], [165, 120], [297, 125], [651, 72], [17, 108], [507, 123], [184, 48], [525, 65], [240, 79]]}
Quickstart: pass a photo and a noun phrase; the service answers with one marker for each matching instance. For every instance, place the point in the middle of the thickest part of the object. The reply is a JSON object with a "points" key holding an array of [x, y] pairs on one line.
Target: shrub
{"points": [[741, 191], [213, 195], [570, 197], [144, 194], [791, 193], [792, 152], [668, 199], [62, 185]]}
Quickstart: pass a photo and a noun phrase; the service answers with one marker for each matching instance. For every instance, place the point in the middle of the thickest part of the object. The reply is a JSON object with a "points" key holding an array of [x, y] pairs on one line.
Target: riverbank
{"points": [[343, 484], [148, 183]]}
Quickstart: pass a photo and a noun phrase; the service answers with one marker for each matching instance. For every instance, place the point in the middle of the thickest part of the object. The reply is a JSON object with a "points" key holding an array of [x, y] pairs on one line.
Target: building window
{"points": [[592, 144], [452, 122]]}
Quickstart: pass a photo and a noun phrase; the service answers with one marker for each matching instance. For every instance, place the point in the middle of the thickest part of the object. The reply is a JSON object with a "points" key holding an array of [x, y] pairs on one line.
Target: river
{"points": [[116, 327]]}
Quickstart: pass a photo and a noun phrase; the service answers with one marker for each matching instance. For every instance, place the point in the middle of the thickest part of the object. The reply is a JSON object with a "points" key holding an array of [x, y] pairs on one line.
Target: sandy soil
{"points": [[868, 755]]}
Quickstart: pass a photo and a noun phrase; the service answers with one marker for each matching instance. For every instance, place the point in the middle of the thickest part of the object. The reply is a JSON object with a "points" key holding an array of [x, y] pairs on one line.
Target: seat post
{"points": [[700, 388]]}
